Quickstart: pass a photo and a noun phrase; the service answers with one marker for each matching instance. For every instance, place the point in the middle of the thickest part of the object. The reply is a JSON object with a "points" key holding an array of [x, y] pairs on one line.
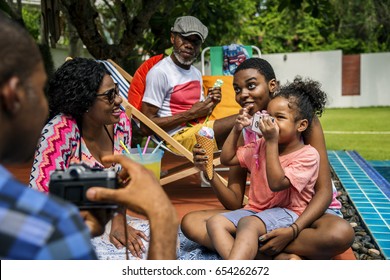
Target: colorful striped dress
{"points": [[61, 144]]}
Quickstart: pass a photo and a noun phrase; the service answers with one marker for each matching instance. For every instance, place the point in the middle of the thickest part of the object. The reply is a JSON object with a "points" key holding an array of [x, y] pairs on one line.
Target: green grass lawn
{"points": [[366, 130]]}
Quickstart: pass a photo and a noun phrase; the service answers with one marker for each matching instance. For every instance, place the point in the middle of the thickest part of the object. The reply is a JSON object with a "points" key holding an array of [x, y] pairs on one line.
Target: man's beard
{"points": [[181, 60]]}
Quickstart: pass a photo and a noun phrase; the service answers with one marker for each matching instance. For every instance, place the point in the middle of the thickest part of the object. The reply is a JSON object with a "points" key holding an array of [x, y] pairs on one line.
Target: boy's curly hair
{"points": [[72, 89]]}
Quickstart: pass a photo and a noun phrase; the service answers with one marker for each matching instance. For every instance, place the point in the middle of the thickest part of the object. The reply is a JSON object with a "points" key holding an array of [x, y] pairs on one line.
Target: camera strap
{"points": [[123, 209]]}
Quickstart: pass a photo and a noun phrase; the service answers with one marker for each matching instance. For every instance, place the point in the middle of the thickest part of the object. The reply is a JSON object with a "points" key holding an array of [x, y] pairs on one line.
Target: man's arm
{"points": [[198, 110], [153, 100]]}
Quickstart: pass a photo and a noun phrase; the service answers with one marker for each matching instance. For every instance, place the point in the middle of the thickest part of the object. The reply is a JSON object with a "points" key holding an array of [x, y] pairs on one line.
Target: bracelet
{"points": [[294, 231], [298, 231]]}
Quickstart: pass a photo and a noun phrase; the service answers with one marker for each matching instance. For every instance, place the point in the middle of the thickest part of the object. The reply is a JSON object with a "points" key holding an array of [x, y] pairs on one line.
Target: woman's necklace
{"points": [[109, 135]]}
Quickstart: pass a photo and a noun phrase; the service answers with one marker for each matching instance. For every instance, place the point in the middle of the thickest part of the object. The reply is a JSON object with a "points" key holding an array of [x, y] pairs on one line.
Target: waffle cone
{"points": [[208, 146]]}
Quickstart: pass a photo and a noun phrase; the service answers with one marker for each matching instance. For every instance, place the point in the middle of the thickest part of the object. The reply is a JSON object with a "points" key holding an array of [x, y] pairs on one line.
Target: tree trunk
{"points": [[84, 17]]}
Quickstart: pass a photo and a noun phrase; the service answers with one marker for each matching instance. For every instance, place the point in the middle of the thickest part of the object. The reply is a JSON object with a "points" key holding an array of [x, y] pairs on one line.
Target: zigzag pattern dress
{"points": [[61, 144]]}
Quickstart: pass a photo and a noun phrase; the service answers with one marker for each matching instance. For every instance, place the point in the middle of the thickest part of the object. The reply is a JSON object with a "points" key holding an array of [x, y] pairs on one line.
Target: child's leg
{"points": [[221, 232], [247, 238]]}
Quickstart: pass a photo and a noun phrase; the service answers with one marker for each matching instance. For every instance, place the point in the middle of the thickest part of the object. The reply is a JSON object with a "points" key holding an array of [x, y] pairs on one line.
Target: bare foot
{"points": [[286, 256]]}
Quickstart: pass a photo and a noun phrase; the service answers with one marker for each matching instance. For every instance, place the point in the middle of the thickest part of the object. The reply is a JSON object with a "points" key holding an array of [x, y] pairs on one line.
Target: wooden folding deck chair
{"points": [[123, 79]]}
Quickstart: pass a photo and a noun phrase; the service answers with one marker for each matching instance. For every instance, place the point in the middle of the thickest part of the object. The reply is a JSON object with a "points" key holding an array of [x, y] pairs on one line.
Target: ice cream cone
{"points": [[208, 146]]}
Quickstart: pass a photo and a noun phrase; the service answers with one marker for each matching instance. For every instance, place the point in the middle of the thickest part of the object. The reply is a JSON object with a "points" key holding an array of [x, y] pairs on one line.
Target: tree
{"points": [[84, 17], [354, 26], [365, 25], [14, 10], [114, 29], [28, 17], [125, 30]]}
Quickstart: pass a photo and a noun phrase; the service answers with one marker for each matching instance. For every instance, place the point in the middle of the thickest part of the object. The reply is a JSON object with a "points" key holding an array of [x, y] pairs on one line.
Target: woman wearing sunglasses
{"points": [[85, 124]]}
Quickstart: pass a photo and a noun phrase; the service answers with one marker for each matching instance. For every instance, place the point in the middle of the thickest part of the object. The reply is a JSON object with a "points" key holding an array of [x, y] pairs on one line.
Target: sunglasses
{"points": [[110, 94]]}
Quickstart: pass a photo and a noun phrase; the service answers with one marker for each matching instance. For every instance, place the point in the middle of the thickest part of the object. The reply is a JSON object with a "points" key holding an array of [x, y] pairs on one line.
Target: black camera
{"points": [[71, 184]]}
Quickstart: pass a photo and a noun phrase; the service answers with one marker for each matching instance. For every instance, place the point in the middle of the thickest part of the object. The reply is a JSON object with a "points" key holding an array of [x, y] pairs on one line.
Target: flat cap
{"points": [[189, 25]]}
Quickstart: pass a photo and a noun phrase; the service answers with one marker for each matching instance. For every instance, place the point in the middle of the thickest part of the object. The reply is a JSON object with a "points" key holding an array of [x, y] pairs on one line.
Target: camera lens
{"points": [[75, 172]]}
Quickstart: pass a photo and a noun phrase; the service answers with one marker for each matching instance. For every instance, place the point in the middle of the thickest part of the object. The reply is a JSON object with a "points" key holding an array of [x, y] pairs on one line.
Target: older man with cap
{"points": [[173, 96]]}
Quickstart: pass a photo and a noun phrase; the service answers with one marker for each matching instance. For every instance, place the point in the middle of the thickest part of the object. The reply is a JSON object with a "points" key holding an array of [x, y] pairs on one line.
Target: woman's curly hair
{"points": [[305, 96], [73, 87]]}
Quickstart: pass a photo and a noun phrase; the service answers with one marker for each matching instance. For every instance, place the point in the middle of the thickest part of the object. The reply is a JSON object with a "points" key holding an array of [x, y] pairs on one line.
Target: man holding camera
{"points": [[38, 226]]}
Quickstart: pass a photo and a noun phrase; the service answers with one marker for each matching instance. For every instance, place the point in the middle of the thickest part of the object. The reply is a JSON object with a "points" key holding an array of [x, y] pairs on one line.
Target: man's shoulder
{"points": [[21, 198], [38, 223], [161, 66], [167, 64], [26, 201], [194, 69]]}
